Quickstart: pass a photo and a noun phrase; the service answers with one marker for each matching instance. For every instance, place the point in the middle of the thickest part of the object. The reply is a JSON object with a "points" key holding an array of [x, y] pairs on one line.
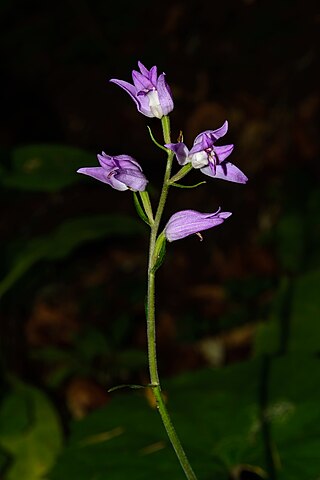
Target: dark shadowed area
{"points": [[238, 314]]}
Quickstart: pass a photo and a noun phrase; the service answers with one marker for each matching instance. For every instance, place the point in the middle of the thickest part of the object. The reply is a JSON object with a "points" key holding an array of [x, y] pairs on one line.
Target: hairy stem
{"points": [[151, 329]]}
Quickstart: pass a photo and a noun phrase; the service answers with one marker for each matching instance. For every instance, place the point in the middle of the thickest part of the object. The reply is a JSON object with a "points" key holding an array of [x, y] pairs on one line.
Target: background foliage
{"points": [[238, 314]]}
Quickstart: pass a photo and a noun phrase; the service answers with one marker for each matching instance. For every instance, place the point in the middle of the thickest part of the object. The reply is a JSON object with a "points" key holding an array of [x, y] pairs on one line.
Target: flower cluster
{"points": [[153, 98]]}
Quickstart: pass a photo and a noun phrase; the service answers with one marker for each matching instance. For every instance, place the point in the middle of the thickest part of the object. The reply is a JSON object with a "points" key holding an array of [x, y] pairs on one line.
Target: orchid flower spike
{"points": [[121, 172], [210, 159], [150, 93], [188, 222]]}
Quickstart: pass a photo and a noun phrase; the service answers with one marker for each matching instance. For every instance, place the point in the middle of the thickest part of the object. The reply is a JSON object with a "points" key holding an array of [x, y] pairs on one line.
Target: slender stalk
{"points": [[151, 330]]}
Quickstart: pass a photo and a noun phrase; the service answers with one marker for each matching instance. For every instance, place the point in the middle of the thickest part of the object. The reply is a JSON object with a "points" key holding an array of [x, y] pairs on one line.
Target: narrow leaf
{"points": [[68, 236], [159, 252], [155, 141], [134, 387], [186, 186], [147, 205], [139, 209]]}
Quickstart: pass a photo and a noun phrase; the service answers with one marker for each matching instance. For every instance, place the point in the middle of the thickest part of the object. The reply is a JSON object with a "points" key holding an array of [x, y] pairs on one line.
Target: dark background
{"points": [[251, 62]]}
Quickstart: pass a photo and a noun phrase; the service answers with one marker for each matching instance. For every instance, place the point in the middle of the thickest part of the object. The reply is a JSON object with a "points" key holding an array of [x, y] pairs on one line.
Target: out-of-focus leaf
{"points": [[34, 441], [218, 426], [304, 330], [294, 324], [51, 355], [132, 359], [313, 229], [68, 236], [270, 335], [267, 338], [14, 415], [294, 414], [56, 377], [4, 459], [291, 241], [218, 415], [45, 168], [62, 364], [90, 344]]}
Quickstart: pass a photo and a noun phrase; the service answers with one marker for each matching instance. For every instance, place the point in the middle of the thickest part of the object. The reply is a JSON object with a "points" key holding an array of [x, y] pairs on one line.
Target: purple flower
{"points": [[122, 172], [187, 222], [150, 93], [209, 158]]}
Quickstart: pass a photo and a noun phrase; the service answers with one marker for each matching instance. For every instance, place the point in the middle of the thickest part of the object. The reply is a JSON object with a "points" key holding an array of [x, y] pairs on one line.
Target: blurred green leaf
{"points": [[132, 359], [45, 168], [34, 444], [3, 460], [267, 338], [61, 364], [218, 427], [313, 229], [62, 241], [90, 344], [304, 330], [270, 335], [217, 414], [294, 413], [51, 355], [120, 329], [291, 241], [294, 322], [14, 415]]}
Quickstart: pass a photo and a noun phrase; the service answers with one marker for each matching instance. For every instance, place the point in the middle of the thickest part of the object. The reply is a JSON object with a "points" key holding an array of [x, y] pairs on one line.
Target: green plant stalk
{"points": [[182, 172], [151, 330]]}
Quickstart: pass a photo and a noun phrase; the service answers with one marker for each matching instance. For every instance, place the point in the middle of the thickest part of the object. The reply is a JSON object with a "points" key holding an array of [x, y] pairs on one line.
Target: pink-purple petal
{"points": [[100, 174], [225, 215], [204, 142], [141, 102], [219, 132], [141, 82], [153, 75], [131, 89], [181, 151], [144, 106], [127, 162], [105, 161], [143, 69], [134, 179], [215, 134], [226, 171], [188, 222], [223, 152], [164, 94]]}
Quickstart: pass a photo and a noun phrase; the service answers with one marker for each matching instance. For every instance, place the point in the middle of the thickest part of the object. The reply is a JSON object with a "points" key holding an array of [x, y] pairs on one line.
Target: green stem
{"points": [[182, 173], [151, 330]]}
